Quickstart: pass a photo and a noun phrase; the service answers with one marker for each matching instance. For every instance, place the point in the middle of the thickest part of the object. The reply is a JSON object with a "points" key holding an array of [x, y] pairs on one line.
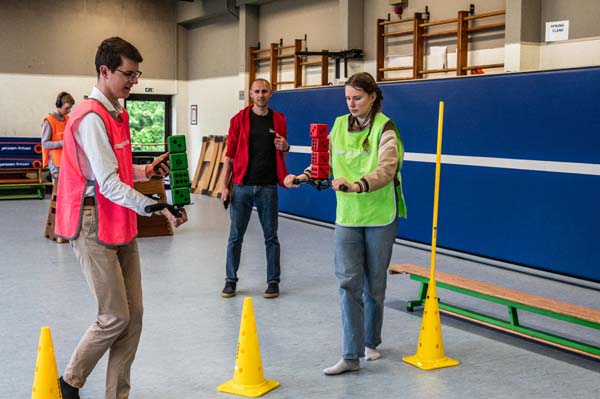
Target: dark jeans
{"points": [[266, 200]]}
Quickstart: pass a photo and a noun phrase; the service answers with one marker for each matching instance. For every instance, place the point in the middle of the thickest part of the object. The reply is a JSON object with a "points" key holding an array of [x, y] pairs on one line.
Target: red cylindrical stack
{"points": [[320, 151]]}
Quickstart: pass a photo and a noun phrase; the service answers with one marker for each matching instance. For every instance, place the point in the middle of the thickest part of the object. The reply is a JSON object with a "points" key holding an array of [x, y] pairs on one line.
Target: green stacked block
{"points": [[178, 161], [180, 177], [177, 144], [181, 196]]}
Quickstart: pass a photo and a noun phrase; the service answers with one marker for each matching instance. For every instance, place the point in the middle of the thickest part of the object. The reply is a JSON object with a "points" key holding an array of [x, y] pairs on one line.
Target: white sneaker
{"points": [[372, 353], [343, 366]]}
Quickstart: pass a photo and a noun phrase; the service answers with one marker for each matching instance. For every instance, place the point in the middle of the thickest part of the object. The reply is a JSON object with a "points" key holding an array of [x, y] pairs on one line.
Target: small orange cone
{"points": [[45, 381], [430, 353], [248, 379]]}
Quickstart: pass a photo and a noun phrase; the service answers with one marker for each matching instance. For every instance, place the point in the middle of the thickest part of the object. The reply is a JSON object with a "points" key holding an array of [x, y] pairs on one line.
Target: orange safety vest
{"points": [[117, 225], [58, 128]]}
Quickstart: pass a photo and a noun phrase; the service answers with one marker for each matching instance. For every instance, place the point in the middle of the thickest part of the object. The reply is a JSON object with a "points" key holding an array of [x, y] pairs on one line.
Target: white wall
{"points": [[557, 55], [570, 53], [217, 100], [28, 98], [31, 97]]}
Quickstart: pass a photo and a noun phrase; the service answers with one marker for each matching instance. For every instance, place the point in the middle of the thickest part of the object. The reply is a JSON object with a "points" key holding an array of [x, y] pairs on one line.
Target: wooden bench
{"points": [[514, 300], [21, 183]]}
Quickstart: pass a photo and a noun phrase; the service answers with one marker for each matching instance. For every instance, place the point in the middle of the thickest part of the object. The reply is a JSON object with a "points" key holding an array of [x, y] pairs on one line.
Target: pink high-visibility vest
{"points": [[117, 225]]}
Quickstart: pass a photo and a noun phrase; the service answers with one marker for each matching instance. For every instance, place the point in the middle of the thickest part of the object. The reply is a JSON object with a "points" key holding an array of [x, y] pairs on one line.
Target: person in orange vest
{"points": [[96, 211], [53, 127]]}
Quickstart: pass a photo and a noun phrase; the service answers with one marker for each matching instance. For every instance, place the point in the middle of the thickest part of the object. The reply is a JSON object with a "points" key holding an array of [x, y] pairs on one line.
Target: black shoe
{"points": [[272, 291], [68, 392], [229, 290]]}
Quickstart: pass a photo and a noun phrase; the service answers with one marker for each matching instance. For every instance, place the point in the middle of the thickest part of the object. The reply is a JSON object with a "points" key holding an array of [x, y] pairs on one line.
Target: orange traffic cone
{"points": [[430, 353], [248, 379], [45, 381]]}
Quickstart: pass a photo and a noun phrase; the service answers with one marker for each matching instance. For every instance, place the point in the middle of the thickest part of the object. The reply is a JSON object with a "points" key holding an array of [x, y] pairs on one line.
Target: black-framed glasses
{"points": [[131, 75]]}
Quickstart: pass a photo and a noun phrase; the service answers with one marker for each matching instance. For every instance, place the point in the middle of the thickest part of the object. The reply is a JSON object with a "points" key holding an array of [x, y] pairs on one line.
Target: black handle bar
{"points": [[174, 209], [320, 184]]}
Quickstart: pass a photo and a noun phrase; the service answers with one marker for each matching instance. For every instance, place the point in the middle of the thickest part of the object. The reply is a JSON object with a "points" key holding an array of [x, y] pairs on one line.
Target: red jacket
{"points": [[238, 141]]}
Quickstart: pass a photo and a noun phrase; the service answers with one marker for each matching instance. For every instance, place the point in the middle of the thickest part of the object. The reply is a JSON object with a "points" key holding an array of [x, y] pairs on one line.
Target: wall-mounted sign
{"points": [[557, 30], [193, 114]]}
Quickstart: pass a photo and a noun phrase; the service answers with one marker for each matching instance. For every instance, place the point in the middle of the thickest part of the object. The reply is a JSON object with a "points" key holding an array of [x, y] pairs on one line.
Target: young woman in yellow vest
{"points": [[53, 127], [366, 157]]}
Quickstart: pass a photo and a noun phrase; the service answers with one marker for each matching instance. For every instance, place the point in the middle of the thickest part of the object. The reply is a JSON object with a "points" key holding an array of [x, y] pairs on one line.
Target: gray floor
{"points": [[189, 342]]}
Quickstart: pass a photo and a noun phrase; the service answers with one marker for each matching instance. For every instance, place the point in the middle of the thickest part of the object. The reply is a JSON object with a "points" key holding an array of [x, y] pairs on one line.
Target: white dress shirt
{"points": [[99, 164]]}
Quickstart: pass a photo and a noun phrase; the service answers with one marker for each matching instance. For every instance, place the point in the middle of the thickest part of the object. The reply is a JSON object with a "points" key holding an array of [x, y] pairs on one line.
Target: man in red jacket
{"points": [[254, 163]]}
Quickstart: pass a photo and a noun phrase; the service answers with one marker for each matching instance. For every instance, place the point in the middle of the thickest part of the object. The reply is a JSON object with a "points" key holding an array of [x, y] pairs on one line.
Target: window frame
{"points": [[167, 100]]}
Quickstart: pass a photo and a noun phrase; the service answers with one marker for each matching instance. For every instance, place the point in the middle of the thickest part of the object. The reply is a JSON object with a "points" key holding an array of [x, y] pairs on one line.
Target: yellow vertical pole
{"points": [[436, 193], [430, 352]]}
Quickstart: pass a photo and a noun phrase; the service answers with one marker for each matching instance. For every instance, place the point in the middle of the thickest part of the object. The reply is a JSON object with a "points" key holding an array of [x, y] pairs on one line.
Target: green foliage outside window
{"points": [[147, 123]]}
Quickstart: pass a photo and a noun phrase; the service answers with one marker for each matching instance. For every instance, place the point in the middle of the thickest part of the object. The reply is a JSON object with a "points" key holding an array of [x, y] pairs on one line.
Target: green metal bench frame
{"points": [[40, 191], [512, 324]]}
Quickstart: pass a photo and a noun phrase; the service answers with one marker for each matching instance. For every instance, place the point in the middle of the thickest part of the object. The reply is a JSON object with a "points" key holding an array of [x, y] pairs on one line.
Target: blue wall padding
{"points": [[544, 220], [19, 162]]}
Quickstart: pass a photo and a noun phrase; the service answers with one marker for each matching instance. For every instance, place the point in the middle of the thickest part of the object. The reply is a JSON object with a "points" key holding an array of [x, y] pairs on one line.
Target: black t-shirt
{"points": [[262, 166]]}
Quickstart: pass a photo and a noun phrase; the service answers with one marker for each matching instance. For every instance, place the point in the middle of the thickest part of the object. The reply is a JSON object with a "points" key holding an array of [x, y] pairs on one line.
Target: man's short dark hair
{"points": [[112, 51], [262, 80]]}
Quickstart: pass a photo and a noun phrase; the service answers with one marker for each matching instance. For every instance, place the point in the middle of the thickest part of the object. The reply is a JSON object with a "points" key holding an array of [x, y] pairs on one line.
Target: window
{"points": [[150, 123]]}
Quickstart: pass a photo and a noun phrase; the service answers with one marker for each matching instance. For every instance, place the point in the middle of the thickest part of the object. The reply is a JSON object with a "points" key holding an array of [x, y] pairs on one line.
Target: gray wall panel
{"points": [[583, 16], [213, 48], [60, 37]]}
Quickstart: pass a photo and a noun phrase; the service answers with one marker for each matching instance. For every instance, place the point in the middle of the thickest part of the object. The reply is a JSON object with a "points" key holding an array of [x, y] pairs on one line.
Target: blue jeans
{"points": [[53, 169], [266, 200], [361, 257]]}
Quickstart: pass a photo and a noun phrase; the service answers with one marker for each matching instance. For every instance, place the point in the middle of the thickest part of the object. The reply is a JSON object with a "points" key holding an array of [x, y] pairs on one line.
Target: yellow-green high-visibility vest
{"points": [[355, 154]]}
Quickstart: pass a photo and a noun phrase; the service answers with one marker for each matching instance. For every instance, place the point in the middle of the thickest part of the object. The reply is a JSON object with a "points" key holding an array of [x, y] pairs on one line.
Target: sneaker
{"points": [[371, 353], [68, 392], [229, 290], [343, 366], [272, 291]]}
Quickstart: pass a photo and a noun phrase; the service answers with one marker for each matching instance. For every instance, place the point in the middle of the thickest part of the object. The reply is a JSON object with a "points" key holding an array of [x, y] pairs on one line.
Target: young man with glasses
{"points": [[96, 210]]}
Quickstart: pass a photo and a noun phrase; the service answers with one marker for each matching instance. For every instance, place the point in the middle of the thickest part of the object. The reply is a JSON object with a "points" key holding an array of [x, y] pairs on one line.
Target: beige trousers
{"points": [[114, 277]]}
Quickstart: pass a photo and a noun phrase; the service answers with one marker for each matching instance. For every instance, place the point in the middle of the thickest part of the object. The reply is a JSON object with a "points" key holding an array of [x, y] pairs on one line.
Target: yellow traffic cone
{"points": [[430, 353], [248, 379], [45, 381]]}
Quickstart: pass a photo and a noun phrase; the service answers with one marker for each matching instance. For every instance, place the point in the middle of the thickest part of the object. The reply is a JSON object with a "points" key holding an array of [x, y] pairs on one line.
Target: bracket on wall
{"points": [[337, 56]]}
